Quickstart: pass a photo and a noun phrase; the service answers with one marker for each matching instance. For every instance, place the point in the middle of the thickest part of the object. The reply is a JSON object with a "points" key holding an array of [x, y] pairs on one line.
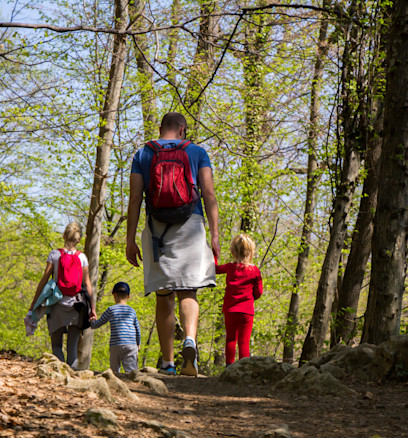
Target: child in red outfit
{"points": [[244, 286]]}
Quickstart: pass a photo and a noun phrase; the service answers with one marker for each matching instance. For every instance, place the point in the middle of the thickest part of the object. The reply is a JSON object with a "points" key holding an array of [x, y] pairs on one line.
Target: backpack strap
{"points": [[154, 145], [62, 251], [157, 241], [183, 144]]}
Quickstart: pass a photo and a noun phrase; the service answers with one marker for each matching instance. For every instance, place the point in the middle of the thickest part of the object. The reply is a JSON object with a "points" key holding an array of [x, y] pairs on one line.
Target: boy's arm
{"points": [[106, 316], [137, 327]]}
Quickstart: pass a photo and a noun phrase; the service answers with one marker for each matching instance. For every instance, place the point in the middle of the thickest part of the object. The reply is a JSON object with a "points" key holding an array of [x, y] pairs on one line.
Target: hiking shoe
{"points": [[169, 370], [189, 354]]}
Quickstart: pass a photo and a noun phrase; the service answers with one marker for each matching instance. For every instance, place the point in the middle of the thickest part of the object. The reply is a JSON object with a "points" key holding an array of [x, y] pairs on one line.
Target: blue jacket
{"points": [[48, 296]]}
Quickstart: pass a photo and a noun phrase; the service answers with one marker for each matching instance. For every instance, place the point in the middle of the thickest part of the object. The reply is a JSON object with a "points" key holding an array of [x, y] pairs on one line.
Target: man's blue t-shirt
{"points": [[197, 157]]}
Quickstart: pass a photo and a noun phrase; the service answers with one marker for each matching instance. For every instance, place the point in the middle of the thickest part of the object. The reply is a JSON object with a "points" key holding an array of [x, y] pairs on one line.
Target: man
{"points": [[186, 261]]}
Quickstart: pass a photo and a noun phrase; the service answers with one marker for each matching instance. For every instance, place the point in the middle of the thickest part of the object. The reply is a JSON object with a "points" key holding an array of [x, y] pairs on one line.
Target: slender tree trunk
{"points": [[173, 44], [147, 345], [145, 76], [312, 182], [351, 165], [383, 314], [328, 279], [349, 293], [107, 124], [203, 63]]}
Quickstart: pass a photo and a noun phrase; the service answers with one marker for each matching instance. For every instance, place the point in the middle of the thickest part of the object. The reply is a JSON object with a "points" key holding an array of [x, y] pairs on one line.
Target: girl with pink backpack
{"points": [[69, 269]]}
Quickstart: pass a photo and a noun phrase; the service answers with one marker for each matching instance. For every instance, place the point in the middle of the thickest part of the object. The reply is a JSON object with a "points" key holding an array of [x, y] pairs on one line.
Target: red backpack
{"points": [[172, 195], [69, 273]]}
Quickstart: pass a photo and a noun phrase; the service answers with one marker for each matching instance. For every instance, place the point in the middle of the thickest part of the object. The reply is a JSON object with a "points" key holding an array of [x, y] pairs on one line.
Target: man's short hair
{"points": [[172, 121]]}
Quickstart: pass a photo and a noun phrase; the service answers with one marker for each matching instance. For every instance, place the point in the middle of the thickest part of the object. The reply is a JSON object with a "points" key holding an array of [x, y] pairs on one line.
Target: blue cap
{"points": [[121, 287]]}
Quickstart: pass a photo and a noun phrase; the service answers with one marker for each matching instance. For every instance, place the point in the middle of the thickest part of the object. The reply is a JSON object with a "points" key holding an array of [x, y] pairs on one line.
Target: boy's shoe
{"points": [[189, 354], [169, 370]]}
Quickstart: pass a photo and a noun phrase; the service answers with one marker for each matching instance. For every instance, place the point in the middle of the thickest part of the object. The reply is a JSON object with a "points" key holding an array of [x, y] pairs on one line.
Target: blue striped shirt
{"points": [[124, 324]]}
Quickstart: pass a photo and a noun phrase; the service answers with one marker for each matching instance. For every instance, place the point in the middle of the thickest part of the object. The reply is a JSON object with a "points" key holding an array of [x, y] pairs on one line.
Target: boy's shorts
{"points": [[125, 355]]}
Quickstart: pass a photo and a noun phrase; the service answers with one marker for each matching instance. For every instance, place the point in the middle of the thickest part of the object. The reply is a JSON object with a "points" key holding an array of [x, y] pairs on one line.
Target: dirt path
{"points": [[201, 407]]}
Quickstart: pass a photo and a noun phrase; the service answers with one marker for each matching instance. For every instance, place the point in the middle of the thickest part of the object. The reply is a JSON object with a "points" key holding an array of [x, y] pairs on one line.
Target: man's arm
{"points": [[135, 201], [205, 177]]}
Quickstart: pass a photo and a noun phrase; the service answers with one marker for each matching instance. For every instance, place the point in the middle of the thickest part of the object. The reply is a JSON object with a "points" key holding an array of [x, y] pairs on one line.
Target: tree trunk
{"points": [[349, 293], [107, 124], [145, 77], [173, 44], [312, 181], [383, 314], [351, 165], [328, 279], [256, 107], [203, 63]]}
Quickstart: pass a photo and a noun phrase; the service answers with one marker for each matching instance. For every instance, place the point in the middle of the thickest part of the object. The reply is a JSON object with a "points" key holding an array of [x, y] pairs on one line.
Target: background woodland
{"points": [[293, 102]]}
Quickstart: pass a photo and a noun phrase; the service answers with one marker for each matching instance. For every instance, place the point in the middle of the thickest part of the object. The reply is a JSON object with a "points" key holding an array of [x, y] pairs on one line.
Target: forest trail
{"points": [[194, 407]]}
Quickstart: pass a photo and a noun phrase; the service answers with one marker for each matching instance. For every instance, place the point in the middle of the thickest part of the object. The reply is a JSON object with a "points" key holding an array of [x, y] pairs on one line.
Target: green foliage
{"points": [[253, 120]]}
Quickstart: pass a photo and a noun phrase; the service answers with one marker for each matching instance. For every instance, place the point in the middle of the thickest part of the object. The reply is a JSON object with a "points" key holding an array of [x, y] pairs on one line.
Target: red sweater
{"points": [[244, 285]]}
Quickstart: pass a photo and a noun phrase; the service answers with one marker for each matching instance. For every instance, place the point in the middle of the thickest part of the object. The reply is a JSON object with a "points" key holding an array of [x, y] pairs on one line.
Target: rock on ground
{"points": [[308, 380], [367, 362], [156, 385], [107, 385], [255, 369], [101, 417]]}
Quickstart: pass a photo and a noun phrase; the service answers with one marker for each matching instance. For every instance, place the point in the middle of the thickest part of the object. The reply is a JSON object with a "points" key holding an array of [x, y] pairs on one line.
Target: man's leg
{"points": [[165, 322], [189, 311]]}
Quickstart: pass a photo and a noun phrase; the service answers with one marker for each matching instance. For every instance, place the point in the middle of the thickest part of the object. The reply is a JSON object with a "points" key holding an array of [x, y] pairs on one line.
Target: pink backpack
{"points": [[69, 273]]}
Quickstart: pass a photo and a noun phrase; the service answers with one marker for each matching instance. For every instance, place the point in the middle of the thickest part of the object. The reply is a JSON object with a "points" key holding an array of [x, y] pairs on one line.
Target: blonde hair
{"points": [[72, 233], [243, 249]]}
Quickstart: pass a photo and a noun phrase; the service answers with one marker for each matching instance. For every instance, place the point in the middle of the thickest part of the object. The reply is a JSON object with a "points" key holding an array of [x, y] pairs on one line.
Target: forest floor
{"points": [[201, 407]]}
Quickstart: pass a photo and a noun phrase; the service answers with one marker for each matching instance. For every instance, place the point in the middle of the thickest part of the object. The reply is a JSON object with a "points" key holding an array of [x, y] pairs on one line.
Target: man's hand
{"points": [[215, 244], [133, 254], [92, 316]]}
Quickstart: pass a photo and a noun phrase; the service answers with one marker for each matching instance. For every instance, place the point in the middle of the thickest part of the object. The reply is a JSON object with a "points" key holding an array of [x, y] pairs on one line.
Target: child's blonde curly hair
{"points": [[243, 249]]}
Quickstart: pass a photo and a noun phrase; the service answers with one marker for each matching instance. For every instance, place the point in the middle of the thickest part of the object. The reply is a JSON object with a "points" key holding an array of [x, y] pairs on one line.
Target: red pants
{"points": [[238, 327]]}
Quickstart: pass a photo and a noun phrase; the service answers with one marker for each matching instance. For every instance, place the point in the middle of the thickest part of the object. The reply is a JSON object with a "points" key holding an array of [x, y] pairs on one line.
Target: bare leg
{"points": [[189, 311], [165, 321]]}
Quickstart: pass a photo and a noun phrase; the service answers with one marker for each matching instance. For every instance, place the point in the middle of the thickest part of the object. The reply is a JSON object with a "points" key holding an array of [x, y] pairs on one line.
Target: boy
{"points": [[124, 342]]}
